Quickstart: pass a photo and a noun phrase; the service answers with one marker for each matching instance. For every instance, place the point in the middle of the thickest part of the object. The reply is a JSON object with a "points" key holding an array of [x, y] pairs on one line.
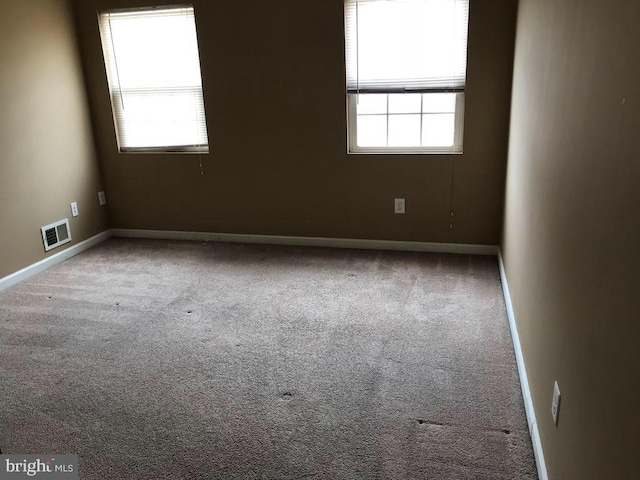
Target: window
{"points": [[153, 69], [406, 71]]}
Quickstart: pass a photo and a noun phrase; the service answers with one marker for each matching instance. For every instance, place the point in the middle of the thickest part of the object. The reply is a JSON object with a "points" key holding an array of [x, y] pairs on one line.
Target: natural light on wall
{"points": [[153, 69], [406, 73]]}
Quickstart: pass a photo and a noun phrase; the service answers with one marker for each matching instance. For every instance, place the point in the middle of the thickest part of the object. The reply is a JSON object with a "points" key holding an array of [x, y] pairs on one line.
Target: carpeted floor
{"points": [[171, 360]]}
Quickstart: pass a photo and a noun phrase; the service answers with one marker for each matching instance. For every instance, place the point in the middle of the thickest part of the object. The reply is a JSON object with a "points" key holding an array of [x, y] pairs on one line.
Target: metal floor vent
{"points": [[56, 234]]}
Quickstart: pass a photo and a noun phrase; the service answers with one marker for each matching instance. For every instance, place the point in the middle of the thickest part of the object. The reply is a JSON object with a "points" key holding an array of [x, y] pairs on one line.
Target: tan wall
{"points": [[47, 157], [274, 85], [572, 228]]}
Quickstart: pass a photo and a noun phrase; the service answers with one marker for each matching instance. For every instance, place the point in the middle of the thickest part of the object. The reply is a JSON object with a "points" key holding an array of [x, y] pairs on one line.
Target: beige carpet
{"points": [[170, 360]]}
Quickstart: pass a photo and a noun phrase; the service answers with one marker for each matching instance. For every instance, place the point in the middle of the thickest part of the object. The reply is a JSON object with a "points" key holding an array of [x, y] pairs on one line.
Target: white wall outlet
{"points": [[74, 209], [102, 198], [555, 403], [398, 204]]}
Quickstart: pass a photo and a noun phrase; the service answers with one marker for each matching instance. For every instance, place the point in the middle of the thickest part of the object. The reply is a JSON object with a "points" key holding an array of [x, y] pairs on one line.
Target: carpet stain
{"points": [[432, 423], [441, 424]]}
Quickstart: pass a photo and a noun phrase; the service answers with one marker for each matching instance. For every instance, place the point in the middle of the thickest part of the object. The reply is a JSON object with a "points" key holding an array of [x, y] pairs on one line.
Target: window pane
{"points": [[156, 51], [438, 130], [372, 131], [158, 119], [404, 103], [404, 130], [371, 103], [439, 103], [151, 57], [406, 51], [406, 43]]}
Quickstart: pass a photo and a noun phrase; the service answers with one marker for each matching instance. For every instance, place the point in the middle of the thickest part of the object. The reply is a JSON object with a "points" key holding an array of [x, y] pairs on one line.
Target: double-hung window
{"points": [[153, 69], [406, 72]]}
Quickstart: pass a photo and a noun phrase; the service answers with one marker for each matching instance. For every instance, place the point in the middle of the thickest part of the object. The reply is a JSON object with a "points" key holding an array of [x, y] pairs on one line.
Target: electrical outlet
{"points": [[398, 205], [555, 403], [74, 209], [102, 198]]}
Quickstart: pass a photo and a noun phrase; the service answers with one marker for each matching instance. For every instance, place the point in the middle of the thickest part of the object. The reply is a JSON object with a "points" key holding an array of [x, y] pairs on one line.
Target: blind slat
{"points": [[406, 45]]}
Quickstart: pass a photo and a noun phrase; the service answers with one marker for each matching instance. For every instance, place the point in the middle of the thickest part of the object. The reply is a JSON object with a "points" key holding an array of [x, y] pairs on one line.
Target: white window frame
{"points": [[115, 90], [456, 85], [352, 129]]}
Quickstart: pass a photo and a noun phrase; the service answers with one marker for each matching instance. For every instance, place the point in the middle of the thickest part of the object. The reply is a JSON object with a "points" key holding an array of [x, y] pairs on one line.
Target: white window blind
{"points": [[406, 45], [153, 69]]}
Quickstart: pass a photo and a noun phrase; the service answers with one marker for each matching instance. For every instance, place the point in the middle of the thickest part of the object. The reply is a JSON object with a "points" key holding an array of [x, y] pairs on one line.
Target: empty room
{"points": [[321, 239]]}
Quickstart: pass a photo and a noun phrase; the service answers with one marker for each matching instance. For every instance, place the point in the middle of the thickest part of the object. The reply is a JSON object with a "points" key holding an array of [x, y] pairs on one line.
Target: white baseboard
{"points": [[48, 262], [468, 249], [524, 381]]}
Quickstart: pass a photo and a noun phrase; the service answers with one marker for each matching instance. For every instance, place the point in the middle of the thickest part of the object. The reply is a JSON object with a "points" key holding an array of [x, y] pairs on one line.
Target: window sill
{"points": [[403, 151], [168, 150]]}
